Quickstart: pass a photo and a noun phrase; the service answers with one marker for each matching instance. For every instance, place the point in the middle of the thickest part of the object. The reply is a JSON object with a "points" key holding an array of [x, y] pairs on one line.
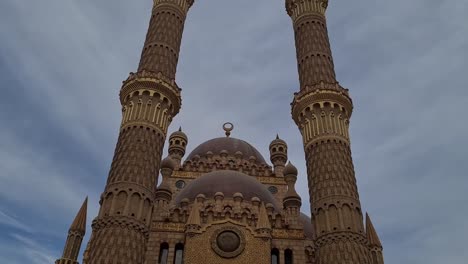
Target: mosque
{"points": [[224, 202]]}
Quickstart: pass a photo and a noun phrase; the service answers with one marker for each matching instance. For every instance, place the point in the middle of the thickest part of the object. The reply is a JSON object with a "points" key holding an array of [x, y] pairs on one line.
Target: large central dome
{"points": [[228, 182], [230, 146]]}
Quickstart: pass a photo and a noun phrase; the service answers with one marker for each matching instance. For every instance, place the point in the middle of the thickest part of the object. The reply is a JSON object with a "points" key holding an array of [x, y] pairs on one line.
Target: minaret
{"points": [[177, 145], [321, 110], [150, 98], [374, 242], [163, 194], [292, 201], [75, 237], [278, 155]]}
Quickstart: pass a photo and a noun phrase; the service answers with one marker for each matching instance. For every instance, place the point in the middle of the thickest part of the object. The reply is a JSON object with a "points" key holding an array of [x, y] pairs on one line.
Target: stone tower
{"points": [[278, 155], [150, 98], [321, 110], [75, 237]]}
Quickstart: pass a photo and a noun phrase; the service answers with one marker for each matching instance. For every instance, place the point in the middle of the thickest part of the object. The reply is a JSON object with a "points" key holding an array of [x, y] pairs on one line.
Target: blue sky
{"points": [[405, 63]]}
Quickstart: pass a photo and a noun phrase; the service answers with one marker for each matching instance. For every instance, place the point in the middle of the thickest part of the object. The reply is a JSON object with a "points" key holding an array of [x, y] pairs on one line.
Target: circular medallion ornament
{"points": [[228, 242], [180, 184], [273, 189]]}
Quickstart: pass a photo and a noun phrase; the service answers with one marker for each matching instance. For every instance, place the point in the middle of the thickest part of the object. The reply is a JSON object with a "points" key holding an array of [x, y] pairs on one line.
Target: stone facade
{"points": [[224, 203]]}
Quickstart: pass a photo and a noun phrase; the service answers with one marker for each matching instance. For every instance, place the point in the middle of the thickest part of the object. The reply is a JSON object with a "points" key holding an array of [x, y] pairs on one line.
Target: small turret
{"points": [[163, 193], [75, 237], [193, 224], [292, 201], [177, 145], [278, 155], [263, 227], [374, 242]]}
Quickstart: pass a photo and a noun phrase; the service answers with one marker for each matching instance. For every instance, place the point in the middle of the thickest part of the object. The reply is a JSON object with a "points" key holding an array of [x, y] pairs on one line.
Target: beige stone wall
{"points": [[297, 246], [164, 232], [198, 248]]}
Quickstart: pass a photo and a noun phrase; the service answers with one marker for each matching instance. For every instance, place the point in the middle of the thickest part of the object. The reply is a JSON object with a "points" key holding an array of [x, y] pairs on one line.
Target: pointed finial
{"points": [[194, 217], [180, 129], [79, 224], [263, 221], [371, 233], [228, 127], [277, 136], [193, 224]]}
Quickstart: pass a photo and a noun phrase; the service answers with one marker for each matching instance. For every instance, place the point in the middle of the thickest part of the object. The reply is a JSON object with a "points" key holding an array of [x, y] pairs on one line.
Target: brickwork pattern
{"points": [[161, 50], [137, 152], [117, 243], [315, 62], [344, 251], [330, 171], [322, 110], [156, 238]]}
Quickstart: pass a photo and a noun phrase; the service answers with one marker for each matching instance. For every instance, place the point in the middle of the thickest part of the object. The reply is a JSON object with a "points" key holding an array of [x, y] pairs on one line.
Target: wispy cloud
{"points": [[35, 252], [12, 222]]}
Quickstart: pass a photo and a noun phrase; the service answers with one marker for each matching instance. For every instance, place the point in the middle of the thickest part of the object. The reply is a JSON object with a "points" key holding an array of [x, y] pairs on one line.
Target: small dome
{"points": [[290, 169], [227, 145], [179, 133], [308, 228], [168, 163], [238, 195], [229, 183], [278, 140]]}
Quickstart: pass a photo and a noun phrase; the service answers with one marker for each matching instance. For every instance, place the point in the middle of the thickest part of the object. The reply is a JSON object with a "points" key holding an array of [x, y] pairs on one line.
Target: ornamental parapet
{"points": [[297, 8], [153, 82], [319, 95], [183, 4], [330, 238], [281, 233], [66, 261], [129, 187], [196, 174], [322, 113], [120, 222], [167, 227], [150, 100], [76, 233]]}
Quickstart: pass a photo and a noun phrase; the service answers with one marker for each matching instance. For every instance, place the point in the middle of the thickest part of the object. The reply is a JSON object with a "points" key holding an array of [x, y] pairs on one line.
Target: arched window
{"points": [[179, 254], [163, 252], [275, 256], [288, 256]]}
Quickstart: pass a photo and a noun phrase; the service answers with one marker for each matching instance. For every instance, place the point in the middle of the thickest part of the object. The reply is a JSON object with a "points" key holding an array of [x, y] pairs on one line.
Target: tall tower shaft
{"points": [[150, 98], [321, 110]]}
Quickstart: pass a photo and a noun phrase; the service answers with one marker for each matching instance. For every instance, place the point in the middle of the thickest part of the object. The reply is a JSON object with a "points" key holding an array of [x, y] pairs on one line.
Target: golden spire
{"points": [[371, 233], [194, 217], [79, 224], [263, 221]]}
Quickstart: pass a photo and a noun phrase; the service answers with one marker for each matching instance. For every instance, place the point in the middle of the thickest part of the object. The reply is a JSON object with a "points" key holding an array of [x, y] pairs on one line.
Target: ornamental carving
{"points": [[228, 242]]}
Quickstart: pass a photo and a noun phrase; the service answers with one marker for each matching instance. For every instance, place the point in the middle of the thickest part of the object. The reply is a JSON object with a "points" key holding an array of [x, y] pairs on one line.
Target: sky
{"points": [[405, 63]]}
